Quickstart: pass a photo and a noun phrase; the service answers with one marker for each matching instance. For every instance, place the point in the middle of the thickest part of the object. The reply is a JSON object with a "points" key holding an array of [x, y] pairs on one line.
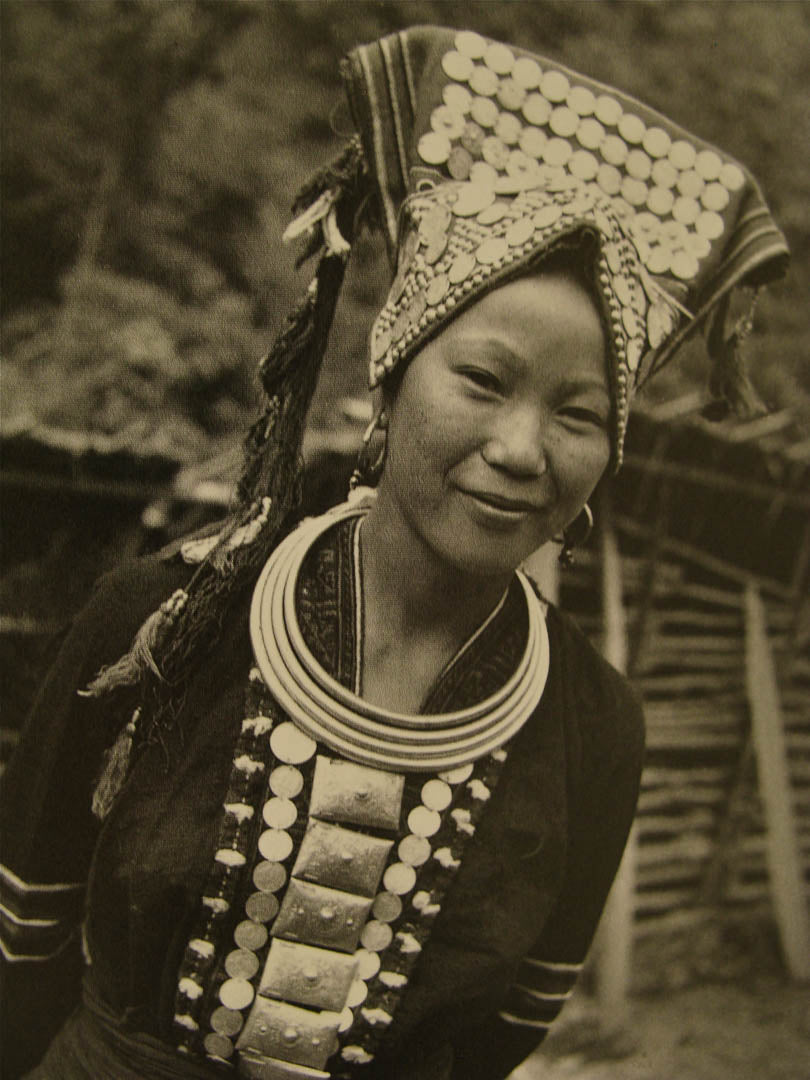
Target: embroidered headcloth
{"points": [[485, 157]]}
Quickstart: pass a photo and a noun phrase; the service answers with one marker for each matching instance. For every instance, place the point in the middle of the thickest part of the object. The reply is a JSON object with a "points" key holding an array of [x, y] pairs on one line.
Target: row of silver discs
{"points": [[466, 231], [292, 748], [503, 115]]}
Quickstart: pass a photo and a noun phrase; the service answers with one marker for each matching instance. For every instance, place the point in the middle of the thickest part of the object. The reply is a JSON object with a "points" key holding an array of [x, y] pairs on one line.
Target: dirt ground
{"points": [[757, 1030]]}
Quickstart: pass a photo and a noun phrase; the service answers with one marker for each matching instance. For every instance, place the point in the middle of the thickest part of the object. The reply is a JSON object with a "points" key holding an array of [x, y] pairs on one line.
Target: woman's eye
{"points": [[583, 415], [482, 378]]}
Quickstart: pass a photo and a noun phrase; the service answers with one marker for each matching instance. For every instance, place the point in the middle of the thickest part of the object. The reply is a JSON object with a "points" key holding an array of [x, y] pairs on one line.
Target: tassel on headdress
{"points": [[141, 654], [732, 391], [328, 212], [115, 769], [242, 536], [225, 541]]}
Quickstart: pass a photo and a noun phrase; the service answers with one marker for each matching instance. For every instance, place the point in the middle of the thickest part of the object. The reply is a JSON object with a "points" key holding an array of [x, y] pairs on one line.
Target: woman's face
{"points": [[500, 428]]}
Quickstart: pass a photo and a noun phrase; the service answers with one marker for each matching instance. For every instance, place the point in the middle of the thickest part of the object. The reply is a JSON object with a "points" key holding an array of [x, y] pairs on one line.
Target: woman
{"points": [[367, 791]]}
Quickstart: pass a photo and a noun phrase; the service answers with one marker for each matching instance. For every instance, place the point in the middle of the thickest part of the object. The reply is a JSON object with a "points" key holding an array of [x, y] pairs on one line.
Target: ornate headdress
{"points": [[486, 157]]}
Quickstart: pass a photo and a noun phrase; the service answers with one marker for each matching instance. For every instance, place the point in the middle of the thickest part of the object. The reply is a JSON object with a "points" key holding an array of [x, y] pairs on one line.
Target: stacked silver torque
{"points": [[324, 709]]}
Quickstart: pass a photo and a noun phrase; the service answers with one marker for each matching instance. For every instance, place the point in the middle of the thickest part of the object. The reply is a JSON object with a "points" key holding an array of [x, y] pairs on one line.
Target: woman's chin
{"points": [[470, 538], [492, 542], [485, 557]]}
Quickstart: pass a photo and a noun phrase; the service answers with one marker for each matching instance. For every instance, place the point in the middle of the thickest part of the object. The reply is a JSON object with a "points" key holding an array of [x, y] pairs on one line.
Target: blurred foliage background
{"points": [[151, 149]]}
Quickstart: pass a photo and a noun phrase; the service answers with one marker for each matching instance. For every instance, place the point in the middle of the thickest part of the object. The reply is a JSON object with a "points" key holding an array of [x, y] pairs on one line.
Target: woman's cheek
{"points": [[599, 457], [587, 462]]}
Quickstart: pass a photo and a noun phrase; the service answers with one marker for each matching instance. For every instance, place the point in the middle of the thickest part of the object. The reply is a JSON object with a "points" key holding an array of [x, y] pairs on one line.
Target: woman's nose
{"points": [[516, 445]]}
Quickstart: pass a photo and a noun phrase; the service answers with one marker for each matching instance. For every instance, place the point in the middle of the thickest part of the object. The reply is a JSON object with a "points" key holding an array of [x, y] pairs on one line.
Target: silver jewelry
{"points": [[326, 711]]}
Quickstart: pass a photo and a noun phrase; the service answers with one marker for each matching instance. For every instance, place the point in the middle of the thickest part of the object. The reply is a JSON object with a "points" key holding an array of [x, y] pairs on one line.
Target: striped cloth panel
{"points": [[37, 921], [539, 992]]}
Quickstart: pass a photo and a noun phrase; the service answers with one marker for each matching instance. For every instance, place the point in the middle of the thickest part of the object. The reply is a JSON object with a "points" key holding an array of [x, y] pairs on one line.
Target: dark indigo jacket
{"points": [[527, 897]]}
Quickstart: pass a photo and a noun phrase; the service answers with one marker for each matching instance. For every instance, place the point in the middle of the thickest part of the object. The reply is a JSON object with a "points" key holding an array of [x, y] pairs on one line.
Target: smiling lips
{"points": [[499, 502]]}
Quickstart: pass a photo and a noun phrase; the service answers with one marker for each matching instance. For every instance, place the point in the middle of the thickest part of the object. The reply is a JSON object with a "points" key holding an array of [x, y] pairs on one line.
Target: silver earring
{"points": [[369, 466], [576, 535]]}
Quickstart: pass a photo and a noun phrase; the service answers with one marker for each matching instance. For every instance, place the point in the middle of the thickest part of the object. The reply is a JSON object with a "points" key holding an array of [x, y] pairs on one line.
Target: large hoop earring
{"points": [[369, 464], [576, 535]]}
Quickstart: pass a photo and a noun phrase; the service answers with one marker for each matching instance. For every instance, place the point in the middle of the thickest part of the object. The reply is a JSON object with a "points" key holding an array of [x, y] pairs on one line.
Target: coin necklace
{"points": [[326, 711]]}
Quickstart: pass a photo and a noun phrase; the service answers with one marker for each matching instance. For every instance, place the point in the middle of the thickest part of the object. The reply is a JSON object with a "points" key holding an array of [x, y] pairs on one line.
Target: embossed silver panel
{"points": [[344, 791], [318, 916], [279, 1030], [342, 858], [308, 976]]}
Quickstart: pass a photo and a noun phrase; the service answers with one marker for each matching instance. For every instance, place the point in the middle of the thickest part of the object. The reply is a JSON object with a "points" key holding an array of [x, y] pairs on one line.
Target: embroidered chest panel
{"points": [[326, 882]]}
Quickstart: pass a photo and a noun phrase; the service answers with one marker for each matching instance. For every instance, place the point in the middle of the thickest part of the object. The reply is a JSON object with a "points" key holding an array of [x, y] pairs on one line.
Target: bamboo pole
{"points": [[672, 776], [693, 820], [615, 935], [801, 568], [643, 621], [674, 800], [676, 921], [782, 852], [720, 865], [705, 594], [675, 740], [685, 682]]}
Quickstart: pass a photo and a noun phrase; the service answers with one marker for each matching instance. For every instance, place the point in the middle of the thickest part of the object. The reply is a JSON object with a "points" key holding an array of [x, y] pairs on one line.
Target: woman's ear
{"points": [[383, 399]]}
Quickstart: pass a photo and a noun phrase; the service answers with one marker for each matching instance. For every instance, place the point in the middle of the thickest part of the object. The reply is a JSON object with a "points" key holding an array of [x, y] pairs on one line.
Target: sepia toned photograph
{"points": [[405, 582]]}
